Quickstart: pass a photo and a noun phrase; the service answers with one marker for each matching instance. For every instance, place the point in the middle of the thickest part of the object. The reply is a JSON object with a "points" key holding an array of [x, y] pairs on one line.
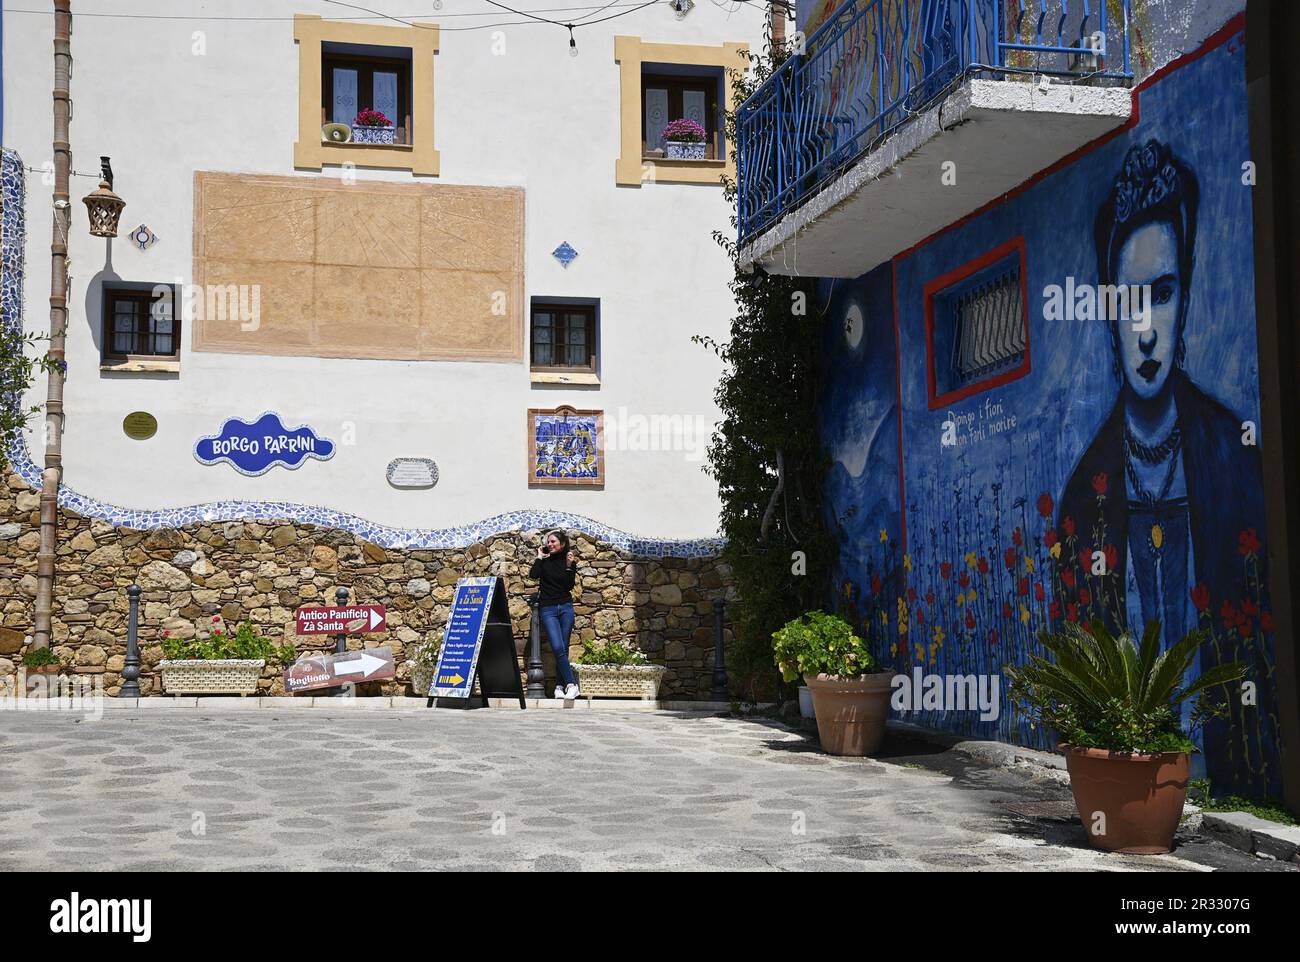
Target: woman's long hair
{"points": [[561, 537]]}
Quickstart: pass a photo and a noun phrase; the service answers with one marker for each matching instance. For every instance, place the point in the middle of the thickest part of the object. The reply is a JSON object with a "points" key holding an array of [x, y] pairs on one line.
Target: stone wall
{"points": [[263, 571]]}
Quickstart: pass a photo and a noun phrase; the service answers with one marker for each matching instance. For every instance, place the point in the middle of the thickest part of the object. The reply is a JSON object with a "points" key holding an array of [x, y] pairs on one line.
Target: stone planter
{"points": [[374, 135], [850, 712], [41, 681], [620, 681], [421, 679], [684, 150], [225, 676], [1128, 803]]}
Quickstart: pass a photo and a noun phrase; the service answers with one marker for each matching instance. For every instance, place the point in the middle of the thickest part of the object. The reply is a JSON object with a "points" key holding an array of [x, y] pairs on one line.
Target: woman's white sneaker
{"points": [[571, 692], [559, 691]]}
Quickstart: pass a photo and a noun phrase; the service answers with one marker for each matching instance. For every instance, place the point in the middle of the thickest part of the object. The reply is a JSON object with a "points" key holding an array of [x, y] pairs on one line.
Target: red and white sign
{"points": [[348, 620]]}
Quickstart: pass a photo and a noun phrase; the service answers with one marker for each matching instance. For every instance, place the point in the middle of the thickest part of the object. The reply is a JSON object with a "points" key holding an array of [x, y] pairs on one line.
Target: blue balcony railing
{"points": [[875, 63]]}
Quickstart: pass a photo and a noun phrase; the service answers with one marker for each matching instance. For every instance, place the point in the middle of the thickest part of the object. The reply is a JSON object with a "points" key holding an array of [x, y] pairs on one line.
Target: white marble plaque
{"points": [[412, 473]]}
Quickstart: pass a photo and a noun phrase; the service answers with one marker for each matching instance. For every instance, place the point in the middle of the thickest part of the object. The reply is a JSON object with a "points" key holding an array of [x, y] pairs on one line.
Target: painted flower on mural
{"points": [[1039, 594], [1017, 538], [1009, 556], [1049, 538], [1068, 526], [1201, 597], [983, 565], [945, 571], [1248, 542], [1045, 505], [963, 579], [1100, 483], [1085, 597], [372, 118], [970, 621]]}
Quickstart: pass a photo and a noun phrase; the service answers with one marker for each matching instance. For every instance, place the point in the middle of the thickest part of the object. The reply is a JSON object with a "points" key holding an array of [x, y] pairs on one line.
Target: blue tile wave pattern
{"points": [[461, 536]]}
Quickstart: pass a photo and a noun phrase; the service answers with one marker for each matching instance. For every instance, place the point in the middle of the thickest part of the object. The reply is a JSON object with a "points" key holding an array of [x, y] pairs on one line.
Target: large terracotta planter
{"points": [[850, 712], [1141, 797]]}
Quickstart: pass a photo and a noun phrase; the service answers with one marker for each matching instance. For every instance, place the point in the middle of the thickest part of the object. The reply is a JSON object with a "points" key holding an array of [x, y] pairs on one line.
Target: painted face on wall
{"points": [[1149, 259]]}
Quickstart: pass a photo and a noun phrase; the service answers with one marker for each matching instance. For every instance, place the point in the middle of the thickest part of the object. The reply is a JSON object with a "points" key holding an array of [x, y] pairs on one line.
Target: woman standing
{"points": [[555, 572]]}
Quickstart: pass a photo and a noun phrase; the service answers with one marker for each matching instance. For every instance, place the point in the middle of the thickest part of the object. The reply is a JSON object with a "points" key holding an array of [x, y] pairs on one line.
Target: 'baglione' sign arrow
{"points": [[326, 671]]}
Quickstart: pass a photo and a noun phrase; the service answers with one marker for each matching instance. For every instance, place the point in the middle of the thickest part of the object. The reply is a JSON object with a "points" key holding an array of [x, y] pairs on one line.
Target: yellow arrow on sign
{"points": [[455, 679]]}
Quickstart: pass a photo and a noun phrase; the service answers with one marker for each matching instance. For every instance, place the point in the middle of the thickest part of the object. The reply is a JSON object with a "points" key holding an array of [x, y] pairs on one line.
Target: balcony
{"points": [[902, 116]]}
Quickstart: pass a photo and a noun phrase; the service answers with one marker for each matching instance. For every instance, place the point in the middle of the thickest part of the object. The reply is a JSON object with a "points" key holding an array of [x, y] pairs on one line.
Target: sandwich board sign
{"points": [[479, 642]]}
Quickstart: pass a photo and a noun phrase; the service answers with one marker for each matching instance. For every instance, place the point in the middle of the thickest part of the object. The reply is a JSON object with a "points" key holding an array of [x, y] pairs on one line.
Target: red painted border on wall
{"points": [[953, 277], [1211, 43]]}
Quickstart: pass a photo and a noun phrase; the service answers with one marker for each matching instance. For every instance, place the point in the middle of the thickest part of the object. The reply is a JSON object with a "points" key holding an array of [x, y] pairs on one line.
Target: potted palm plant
{"points": [[615, 670], [223, 663], [850, 691], [1116, 706], [684, 139], [373, 127]]}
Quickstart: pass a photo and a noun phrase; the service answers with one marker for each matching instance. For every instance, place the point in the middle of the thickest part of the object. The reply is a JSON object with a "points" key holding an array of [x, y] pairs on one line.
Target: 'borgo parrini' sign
{"points": [[254, 447]]}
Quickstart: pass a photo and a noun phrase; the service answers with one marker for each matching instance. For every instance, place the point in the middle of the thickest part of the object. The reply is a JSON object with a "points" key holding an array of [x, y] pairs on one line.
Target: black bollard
{"points": [[719, 658], [536, 674], [340, 641], [131, 667]]}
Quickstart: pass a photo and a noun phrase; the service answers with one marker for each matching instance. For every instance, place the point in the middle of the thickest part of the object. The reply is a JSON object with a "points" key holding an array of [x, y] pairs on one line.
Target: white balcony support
{"points": [[998, 133]]}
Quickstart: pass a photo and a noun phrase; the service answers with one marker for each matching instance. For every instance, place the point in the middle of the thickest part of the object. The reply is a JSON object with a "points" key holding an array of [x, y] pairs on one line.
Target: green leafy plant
{"points": [[1103, 691], [21, 358], [40, 658], [612, 652], [424, 656], [243, 643], [769, 466], [1200, 793], [816, 643]]}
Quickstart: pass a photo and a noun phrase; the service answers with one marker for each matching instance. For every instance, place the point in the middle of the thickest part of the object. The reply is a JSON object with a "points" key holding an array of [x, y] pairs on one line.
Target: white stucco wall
{"points": [[533, 117]]}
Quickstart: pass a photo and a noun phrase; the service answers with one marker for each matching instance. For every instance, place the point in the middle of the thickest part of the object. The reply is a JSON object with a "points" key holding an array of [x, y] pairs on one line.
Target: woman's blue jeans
{"points": [[558, 622]]}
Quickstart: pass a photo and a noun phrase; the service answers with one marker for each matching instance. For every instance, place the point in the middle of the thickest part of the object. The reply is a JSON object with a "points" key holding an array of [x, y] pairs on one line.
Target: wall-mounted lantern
{"points": [[104, 206]]}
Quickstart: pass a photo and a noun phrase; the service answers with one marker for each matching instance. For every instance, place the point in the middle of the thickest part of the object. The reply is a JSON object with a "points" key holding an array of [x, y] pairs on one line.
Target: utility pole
{"points": [[777, 14], [52, 475]]}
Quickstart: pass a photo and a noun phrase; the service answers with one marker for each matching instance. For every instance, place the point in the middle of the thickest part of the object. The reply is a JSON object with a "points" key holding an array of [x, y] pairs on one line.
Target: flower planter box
{"points": [[421, 680], [1128, 802], [233, 676], [41, 681], [620, 681], [850, 712], [374, 135], [684, 150]]}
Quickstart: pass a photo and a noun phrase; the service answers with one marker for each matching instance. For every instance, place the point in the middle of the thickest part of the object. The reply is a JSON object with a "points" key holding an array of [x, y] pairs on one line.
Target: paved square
{"points": [[189, 789]]}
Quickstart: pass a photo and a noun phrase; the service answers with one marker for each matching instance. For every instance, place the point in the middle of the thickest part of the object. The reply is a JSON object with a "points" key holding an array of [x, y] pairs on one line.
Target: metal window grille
{"points": [[989, 326]]}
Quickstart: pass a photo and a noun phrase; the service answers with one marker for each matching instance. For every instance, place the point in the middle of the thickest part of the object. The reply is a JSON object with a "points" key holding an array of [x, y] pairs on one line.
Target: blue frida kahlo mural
{"points": [[1115, 473]]}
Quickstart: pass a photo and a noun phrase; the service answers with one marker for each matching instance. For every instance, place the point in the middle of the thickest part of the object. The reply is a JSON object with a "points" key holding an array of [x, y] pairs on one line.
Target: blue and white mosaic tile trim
{"points": [[11, 300]]}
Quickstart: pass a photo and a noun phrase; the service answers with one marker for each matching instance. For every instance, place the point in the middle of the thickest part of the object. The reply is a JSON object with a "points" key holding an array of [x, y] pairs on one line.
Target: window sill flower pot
{"points": [[684, 150], [1128, 802], [850, 712], [620, 681], [41, 681], [374, 135], [224, 676]]}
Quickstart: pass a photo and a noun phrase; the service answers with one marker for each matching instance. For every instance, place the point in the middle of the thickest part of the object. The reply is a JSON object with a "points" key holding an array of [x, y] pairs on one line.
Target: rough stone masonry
{"points": [[262, 572]]}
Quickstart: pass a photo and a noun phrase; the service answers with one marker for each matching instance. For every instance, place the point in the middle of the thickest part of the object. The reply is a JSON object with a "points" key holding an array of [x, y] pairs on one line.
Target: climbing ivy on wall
{"points": [[765, 454], [20, 360]]}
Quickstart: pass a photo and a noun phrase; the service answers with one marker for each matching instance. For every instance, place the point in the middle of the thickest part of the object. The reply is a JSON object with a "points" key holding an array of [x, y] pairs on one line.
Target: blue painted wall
{"points": [[986, 552]]}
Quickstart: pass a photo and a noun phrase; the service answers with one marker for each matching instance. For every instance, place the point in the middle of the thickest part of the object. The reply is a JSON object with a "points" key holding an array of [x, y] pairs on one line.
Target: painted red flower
{"points": [[983, 565], [1054, 609], [1229, 615], [1201, 597], [1099, 483], [1039, 594], [1266, 622], [1072, 611], [1067, 577], [875, 584], [1085, 596], [1022, 587], [920, 616], [993, 637], [1010, 558], [1112, 557], [963, 579], [970, 620], [945, 571], [1248, 542], [1249, 607], [1045, 505], [1006, 610], [1247, 627], [911, 595], [1085, 559], [1049, 538], [929, 597], [1068, 525], [1017, 538]]}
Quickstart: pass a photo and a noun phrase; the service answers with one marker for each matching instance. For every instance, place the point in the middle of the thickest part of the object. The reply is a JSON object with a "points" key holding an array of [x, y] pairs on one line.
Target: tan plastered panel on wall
{"points": [[364, 270]]}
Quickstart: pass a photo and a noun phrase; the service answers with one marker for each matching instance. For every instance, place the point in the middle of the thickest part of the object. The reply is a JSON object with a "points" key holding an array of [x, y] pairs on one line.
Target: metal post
{"points": [[131, 667], [719, 657], [340, 640], [536, 674]]}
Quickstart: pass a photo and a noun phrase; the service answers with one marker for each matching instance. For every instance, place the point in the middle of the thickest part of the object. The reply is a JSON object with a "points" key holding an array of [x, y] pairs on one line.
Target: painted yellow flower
{"points": [[902, 616], [1157, 536], [1024, 615], [920, 653], [970, 598], [937, 634], [884, 618], [893, 649], [971, 560], [1029, 564], [1055, 551], [907, 562], [884, 536], [961, 599]]}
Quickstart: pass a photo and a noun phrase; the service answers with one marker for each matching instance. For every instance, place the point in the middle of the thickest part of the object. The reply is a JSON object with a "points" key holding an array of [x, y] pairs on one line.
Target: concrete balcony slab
{"points": [[996, 133]]}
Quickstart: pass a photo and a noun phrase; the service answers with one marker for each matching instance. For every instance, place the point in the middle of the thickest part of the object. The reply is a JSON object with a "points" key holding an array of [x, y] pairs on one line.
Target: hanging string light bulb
{"points": [[573, 44]]}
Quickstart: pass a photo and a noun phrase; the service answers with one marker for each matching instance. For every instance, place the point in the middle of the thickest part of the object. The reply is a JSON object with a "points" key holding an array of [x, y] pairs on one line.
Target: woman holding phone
{"points": [[555, 571]]}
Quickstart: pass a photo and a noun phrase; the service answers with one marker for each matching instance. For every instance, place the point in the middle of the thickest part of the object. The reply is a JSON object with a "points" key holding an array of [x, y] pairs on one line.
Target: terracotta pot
{"points": [[850, 712], [1141, 797], [44, 688]]}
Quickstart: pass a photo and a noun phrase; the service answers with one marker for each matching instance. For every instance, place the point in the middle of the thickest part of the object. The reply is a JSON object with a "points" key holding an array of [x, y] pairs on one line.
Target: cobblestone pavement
{"points": [[494, 789]]}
